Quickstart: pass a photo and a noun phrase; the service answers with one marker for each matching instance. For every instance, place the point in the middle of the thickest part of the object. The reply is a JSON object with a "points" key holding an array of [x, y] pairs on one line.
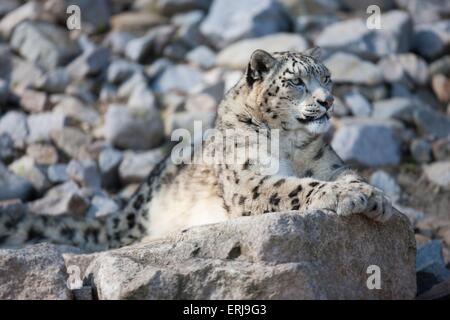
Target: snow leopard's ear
{"points": [[261, 62], [315, 52]]}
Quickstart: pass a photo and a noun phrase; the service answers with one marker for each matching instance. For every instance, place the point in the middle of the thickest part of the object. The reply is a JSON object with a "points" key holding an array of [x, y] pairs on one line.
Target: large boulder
{"points": [[271, 256], [35, 272]]}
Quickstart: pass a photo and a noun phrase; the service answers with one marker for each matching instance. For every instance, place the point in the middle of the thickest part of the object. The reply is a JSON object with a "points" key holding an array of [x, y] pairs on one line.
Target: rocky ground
{"points": [[85, 114]]}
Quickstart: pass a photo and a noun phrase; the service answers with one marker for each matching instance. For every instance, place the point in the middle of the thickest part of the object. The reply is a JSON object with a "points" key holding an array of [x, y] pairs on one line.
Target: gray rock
{"points": [[200, 103], [7, 6], [171, 7], [271, 256], [57, 173], [361, 5], [157, 67], [133, 128], [121, 70], [90, 63], [41, 125], [6, 65], [66, 198], [312, 7], [108, 162], [117, 41], [108, 93], [35, 272], [262, 17], [175, 51], [358, 104], [423, 11], [142, 98], [127, 88], [231, 78], [440, 66], [28, 11], [135, 167], [14, 208], [152, 44], [352, 35], [385, 182], [73, 142], [28, 169], [187, 120], [24, 73], [439, 173], [188, 33], [312, 25], [441, 149], [13, 186], [429, 259], [339, 108], [83, 90], [179, 77], [33, 101], [395, 108], [7, 152], [432, 39], [441, 87], [369, 144], [348, 68], [202, 56], [102, 206], [43, 43], [237, 54], [421, 150], [136, 22], [77, 109], [85, 173], [432, 122], [406, 68], [4, 91], [413, 215], [54, 81], [14, 123]]}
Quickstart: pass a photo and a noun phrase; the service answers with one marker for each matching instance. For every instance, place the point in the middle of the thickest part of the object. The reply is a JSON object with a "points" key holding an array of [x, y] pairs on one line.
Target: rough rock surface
{"points": [[39, 273], [272, 256]]}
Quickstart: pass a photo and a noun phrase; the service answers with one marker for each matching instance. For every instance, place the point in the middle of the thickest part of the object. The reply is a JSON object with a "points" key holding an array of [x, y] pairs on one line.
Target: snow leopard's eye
{"points": [[326, 79], [297, 82]]}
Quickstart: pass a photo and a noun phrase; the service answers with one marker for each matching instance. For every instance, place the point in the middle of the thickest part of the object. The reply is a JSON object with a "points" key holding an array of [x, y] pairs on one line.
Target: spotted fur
{"points": [[285, 91]]}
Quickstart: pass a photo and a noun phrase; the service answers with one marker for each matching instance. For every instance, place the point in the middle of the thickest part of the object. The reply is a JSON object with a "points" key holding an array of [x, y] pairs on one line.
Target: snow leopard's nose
{"points": [[326, 102]]}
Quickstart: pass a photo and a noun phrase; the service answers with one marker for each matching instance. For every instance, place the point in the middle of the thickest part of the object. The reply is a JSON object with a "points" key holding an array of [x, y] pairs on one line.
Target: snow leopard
{"points": [[287, 93]]}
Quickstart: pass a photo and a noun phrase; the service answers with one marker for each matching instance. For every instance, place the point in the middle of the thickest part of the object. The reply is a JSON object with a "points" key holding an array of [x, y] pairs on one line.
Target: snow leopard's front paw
{"points": [[357, 196], [349, 196]]}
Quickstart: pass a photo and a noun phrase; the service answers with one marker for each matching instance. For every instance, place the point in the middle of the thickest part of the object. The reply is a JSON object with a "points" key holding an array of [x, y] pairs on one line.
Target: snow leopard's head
{"points": [[292, 90]]}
